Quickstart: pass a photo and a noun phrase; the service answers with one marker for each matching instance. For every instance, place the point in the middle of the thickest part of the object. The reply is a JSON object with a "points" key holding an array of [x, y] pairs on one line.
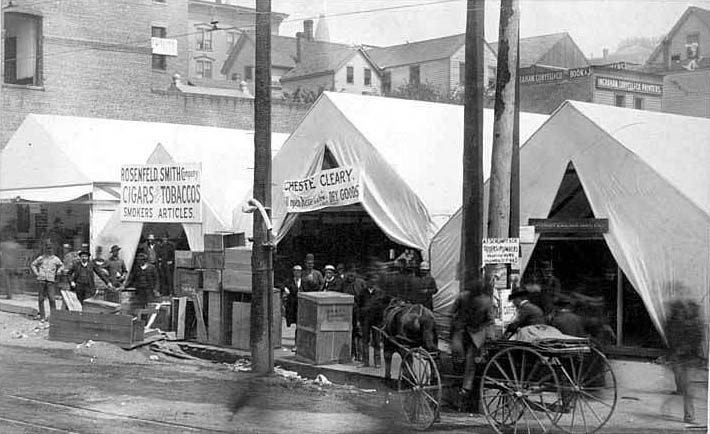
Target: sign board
{"points": [[327, 188], [585, 226], [527, 234], [161, 193], [501, 250], [163, 46], [629, 86], [506, 307]]}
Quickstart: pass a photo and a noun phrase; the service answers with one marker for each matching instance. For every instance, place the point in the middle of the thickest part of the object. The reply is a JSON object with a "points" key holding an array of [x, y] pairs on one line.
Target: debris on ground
{"points": [[17, 335], [86, 344], [171, 349], [154, 358], [240, 365], [322, 380], [289, 375]]}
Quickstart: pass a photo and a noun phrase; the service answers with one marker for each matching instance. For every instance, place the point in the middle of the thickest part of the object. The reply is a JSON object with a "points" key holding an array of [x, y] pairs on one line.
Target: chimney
{"points": [[299, 46], [308, 29], [605, 53]]}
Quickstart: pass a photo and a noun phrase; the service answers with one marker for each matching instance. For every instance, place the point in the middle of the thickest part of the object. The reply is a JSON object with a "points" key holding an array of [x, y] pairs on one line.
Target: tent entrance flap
{"points": [[346, 235]]}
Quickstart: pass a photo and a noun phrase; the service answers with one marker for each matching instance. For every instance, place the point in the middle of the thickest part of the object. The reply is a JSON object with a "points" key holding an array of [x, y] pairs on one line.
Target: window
{"points": [[692, 46], [675, 58], [248, 73], [236, 77], [159, 61], [367, 81], [22, 49], [462, 73], [414, 75], [204, 69], [350, 75], [620, 100], [638, 103], [386, 82], [231, 38], [204, 39]]}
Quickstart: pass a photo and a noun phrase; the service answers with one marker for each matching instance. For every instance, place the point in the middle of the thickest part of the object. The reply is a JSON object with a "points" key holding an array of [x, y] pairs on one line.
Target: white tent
{"points": [[62, 158], [410, 154], [646, 172]]}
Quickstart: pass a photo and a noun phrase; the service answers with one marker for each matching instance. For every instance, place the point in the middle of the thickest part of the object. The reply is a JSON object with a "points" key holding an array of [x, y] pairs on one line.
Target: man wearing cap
{"points": [[291, 289], [81, 276], [427, 286], [144, 278], [116, 267], [527, 312], [312, 279], [331, 281], [46, 267]]}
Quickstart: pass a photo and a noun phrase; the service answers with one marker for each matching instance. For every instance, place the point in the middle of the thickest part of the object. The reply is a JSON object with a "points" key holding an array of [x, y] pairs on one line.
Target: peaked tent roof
{"points": [[533, 48], [410, 152], [644, 171], [60, 158]]}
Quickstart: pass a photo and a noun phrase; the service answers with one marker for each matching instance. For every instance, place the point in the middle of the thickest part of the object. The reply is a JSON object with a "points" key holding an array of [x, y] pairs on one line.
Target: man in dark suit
{"points": [[81, 277], [371, 305], [528, 313], [566, 320], [144, 278], [166, 265]]}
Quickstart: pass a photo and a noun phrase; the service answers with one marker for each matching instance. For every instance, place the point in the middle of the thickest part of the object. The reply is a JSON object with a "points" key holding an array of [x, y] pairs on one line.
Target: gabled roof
{"points": [[283, 50], [318, 58], [417, 52], [532, 49], [702, 14]]}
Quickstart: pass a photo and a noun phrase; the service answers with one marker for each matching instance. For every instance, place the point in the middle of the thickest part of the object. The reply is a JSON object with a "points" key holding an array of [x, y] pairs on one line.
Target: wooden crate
{"points": [[212, 280], [210, 260], [236, 280], [241, 325], [183, 259], [237, 258], [71, 326], [214, 318], [219, 242], [324, 326], [188, 282]]}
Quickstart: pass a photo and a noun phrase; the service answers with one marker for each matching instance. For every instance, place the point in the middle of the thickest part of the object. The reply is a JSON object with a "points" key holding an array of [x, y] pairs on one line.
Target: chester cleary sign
{"points": [[327, 188]]}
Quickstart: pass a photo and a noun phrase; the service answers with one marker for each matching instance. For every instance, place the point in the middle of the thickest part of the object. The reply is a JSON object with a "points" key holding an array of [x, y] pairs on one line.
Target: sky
{"points": [[593, 24]]}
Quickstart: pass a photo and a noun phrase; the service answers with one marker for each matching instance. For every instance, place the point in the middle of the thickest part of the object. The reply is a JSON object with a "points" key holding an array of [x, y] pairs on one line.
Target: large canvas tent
{"points": [[409, 152], [61, 158], [646, 172]]}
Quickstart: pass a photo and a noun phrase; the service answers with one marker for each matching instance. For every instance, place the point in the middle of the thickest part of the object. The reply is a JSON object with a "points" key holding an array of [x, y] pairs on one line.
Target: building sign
{"points": [[501, 250], [629, 86], [542, 77], [163, 46], [586, 226], [161, 193], [579, 72], [327, 188]]}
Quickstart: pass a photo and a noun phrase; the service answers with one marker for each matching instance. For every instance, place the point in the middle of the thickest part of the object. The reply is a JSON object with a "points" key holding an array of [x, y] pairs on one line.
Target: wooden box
{"points": [[71, 326], [237, 258], [236, 280], [324, 327], [219, 242], [241, 323], [183, 259], [188, 281], [212, 280], [211, 260]]}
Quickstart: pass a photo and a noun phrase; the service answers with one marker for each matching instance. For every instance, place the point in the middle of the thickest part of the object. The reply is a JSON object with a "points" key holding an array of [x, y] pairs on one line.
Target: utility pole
{"points": [[472, 213], [499, 203], [515, 170], [262, 349]]}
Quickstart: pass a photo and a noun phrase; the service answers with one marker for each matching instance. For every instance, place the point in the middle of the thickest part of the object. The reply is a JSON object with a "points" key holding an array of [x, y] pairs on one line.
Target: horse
{"points": [[412, 325]]}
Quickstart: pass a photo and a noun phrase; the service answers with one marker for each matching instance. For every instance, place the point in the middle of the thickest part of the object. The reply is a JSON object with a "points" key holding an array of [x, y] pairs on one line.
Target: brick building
{"points": [[95, 58]]}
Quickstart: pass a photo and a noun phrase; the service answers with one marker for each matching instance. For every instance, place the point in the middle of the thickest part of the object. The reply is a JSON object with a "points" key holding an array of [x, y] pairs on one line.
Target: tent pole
{"points": [[619, 306]]}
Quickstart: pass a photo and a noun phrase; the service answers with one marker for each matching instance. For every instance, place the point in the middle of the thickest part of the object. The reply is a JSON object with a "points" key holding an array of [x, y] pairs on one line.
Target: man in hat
{"points": [[331, 282], [291, 289], [427, 286], [566, 320], [116, 268], [527, 312], [166, 265], [151, 248], [371, 305], [81, 276], [144, 279], [354, 285], [46, 267], [312, 278]]}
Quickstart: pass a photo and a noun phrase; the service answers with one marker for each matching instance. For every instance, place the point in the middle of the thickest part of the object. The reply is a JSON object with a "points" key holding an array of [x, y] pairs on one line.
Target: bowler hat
{"points": [[329, 267], [115, 248], [84, 252], [297, 268]]}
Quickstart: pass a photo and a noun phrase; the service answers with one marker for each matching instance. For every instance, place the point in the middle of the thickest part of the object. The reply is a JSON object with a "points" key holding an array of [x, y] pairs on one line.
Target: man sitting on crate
{"points": [[144, 279], [81, 276]]}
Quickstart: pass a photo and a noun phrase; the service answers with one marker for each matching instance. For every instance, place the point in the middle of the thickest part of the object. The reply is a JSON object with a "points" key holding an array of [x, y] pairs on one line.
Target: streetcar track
{"points": [[117, 415], [36, 425]]}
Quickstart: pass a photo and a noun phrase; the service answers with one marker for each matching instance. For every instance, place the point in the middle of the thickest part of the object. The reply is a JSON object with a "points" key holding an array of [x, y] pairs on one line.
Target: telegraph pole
{"points": [[472, 213], [499, 204], [262, 349]]}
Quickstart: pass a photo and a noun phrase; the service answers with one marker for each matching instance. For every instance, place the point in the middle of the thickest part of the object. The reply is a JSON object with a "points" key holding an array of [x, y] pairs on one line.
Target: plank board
{"points": [[23, 310], [214, 317], [100, 306], [71, 301], [180, 327], [241, 317], [200, 318]]}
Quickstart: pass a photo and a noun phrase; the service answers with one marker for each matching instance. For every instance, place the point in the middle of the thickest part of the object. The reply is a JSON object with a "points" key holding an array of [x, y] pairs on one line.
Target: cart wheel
{"points": [[519, 391], [588, 391], [419, 389]]}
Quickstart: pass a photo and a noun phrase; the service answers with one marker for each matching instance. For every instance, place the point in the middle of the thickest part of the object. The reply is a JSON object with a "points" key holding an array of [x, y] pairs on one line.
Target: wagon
{"points": [[567, 385]]}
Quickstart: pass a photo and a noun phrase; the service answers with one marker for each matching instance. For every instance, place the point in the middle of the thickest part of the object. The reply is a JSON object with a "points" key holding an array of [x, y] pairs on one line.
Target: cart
{"points": [[536, 387], [418, 385]]}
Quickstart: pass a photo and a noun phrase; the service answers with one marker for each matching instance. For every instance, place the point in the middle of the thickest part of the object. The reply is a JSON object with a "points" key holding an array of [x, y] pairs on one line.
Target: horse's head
{"points": [[418, 324]]}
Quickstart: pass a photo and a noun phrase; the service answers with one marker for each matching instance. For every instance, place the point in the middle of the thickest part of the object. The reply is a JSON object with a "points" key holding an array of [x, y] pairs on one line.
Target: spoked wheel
{"points": [[419, 389], [519, 391], [588, 392]]}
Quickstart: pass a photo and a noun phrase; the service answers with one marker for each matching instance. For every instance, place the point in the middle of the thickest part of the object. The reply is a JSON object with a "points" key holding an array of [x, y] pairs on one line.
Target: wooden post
{"points": [[472, 213], [619, 306], [260, 335]]}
